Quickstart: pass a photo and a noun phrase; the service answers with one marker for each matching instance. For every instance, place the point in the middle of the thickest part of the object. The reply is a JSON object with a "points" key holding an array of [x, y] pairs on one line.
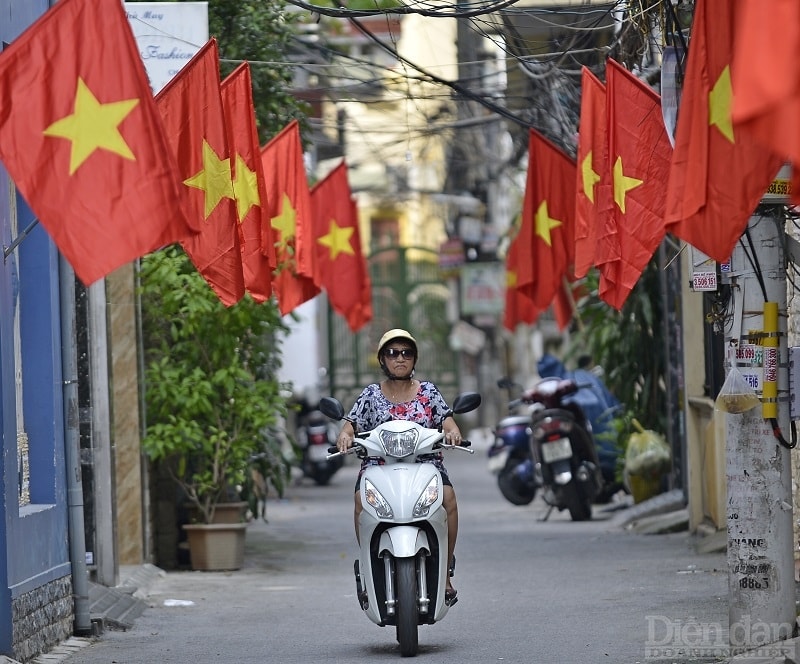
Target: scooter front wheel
{"points": [[407, 612]]}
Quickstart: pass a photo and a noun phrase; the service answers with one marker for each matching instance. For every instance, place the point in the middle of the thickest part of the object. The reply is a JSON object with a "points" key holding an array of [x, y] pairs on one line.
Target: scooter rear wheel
{"points": [[406, 584], [322, 479], [513, 488], [580, 507]]}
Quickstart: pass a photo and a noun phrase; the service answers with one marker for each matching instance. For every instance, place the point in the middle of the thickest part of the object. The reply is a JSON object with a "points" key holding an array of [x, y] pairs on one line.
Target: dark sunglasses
{"points": [[407, 353]]}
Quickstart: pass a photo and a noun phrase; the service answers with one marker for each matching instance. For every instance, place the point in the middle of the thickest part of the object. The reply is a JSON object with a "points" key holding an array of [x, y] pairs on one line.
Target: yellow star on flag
{"points": [[719, 104], [622, 184], [511, 279], [545, 223], [214, 179], [93, 126], [338, 240], [285, 222], [589, 176], [245, 188]]}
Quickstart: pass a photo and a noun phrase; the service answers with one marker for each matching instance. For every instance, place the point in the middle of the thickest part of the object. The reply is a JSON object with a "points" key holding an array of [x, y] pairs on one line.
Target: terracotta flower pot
{"points": [[216, 546], [230, 512]]}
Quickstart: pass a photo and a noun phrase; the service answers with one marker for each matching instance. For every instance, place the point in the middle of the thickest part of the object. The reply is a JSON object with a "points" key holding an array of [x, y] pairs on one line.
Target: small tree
{"points": [[629, 344], [213, 400]]}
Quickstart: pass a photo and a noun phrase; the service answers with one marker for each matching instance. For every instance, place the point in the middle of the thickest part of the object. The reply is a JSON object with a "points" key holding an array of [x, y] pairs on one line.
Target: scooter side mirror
{"points": [[466, 402], [332, 408], [505, 383]]}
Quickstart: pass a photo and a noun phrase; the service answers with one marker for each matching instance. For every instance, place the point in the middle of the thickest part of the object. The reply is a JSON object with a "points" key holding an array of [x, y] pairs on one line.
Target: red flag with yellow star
{"points": [[548, 221], [290, 214], [639, 159], [766, 76], [339, 265], [191, 110], [519, 308], [595, 233], [718, 173], [82, 139], [248, 181], [564, 307]]}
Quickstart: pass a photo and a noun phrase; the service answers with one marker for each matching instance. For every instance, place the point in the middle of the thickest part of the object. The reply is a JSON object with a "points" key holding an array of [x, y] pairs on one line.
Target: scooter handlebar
{"points": [[334, 452], [464, 447]]}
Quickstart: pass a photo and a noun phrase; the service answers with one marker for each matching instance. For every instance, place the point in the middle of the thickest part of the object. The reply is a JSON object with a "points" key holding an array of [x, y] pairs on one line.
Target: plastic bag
{"points": [[647, 453], [736, 395]]}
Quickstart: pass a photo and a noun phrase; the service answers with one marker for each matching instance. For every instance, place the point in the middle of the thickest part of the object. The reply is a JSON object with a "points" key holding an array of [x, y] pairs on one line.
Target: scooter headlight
{"points": [[427, 498], [377, 501], [399, 444]]}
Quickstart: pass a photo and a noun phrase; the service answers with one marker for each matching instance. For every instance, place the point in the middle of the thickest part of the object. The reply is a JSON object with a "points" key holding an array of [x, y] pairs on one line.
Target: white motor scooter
{"points": [[401, 573]]}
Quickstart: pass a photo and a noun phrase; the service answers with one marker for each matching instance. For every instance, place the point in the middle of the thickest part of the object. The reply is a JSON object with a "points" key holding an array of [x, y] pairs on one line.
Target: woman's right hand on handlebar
{"points": [[344, 442]]}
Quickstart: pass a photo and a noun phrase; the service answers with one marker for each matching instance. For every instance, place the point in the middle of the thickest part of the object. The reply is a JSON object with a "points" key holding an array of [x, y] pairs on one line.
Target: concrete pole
{"points": [[759, 507]]}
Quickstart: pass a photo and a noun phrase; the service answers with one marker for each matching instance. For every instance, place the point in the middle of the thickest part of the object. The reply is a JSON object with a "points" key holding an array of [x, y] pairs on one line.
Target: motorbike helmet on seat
{"points": [[395, 334]]}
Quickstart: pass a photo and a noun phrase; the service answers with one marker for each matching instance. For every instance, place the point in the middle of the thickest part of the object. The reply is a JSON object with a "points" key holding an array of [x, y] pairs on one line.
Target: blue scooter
{"points": [[510, 455]]}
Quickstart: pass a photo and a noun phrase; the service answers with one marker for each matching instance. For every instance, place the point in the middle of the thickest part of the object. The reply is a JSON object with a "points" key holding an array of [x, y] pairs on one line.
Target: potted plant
{"points": [[212, 398]]}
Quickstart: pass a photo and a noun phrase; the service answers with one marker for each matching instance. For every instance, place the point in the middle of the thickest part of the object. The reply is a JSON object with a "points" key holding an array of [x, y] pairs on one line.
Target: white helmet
{"points": [[393, 335]]}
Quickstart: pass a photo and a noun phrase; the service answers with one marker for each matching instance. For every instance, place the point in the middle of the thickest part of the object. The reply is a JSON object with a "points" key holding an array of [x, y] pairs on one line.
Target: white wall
{"points": [[301, 362]]}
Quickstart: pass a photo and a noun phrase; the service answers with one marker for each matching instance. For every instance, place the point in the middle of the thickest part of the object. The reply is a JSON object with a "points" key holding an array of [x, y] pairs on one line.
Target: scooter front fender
{"points": [[407, 542], [395, 542], [403, 541]]}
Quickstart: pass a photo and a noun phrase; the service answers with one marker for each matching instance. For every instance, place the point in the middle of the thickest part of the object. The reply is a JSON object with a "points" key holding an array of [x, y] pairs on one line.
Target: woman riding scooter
{"points": [[399, 396]]}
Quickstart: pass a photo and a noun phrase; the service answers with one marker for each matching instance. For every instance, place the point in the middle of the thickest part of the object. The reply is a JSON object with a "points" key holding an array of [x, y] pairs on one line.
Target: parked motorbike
{"points": [[510, 456], [564, 452], [314, 436], [401, 572], [599, 407]]}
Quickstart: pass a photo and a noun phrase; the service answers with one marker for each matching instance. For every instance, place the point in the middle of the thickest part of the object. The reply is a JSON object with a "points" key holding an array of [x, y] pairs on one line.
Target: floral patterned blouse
{"points": [[371, 409], [427, 408]]}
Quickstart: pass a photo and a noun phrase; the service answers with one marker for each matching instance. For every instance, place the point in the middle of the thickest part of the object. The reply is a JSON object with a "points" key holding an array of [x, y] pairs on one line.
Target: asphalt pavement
{"points": [[632, 585]]}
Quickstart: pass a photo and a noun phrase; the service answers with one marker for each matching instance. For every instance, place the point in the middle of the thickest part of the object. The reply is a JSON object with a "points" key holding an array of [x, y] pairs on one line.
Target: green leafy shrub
{"points": [[213, 399]]}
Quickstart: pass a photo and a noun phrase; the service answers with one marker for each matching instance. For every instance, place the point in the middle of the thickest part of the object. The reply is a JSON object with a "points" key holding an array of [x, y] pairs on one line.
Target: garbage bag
{"points": [[647, 453]]}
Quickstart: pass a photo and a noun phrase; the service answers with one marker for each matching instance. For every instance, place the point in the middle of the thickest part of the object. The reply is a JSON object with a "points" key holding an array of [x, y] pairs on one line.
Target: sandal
{"points": [[450, 596]]}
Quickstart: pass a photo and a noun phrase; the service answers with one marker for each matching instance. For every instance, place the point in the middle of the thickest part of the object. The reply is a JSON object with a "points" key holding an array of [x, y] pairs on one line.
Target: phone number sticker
{"points": [[749, 354], [752, 378], [704, 281]]}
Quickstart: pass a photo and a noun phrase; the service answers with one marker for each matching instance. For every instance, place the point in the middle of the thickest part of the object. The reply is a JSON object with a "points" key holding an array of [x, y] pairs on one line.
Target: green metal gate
{"points": [[407, 292]]}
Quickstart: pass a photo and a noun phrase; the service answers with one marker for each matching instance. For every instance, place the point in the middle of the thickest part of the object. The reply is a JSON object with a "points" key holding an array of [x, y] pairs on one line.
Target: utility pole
{"points": [[760, 560]]}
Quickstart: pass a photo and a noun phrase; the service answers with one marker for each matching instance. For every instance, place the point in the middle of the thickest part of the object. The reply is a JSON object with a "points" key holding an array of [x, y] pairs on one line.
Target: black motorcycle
{"points": [[564, 452]]}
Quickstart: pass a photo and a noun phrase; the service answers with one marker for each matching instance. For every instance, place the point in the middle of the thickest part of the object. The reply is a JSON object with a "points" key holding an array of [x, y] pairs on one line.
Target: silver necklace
{"points": [[396, 396]]}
